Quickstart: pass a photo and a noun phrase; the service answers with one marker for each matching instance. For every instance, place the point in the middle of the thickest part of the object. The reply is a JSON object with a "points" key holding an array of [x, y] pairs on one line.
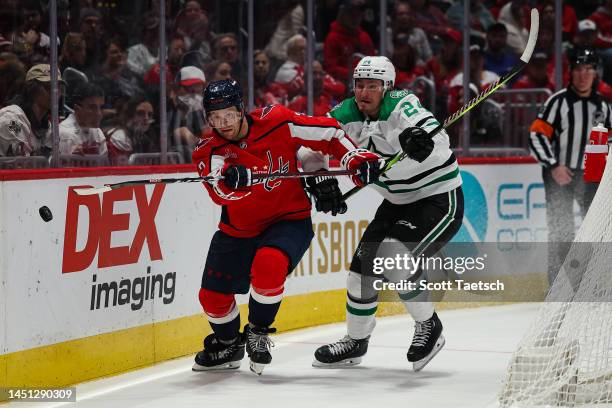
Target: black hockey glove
{"points": [[327, 194], [237, 176], [416, 143]]}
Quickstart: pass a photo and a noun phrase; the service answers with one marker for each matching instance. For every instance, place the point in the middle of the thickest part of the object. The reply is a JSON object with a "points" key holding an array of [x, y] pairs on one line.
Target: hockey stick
{"points": [[524, 60], [210, 179]]}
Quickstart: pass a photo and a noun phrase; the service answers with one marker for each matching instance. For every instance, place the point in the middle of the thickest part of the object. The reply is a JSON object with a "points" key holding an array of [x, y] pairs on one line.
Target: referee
{"points": [[558, 138]]}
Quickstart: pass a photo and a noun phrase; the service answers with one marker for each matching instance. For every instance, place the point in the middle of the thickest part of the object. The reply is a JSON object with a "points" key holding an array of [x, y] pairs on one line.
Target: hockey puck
{"points": [[45, 213]]}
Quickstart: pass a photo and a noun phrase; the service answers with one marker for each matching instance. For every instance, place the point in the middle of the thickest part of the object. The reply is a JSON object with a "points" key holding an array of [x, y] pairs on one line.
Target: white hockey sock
{"points": [[420, 311], [360, 311]]}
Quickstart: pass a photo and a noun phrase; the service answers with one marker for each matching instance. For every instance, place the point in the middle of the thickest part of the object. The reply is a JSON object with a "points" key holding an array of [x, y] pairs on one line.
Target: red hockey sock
{"points": [[222, 313], [268, 274]]}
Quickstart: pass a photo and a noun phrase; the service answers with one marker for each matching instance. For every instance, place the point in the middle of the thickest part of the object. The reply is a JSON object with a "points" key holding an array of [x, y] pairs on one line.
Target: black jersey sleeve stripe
{"points": [[452, 159]]}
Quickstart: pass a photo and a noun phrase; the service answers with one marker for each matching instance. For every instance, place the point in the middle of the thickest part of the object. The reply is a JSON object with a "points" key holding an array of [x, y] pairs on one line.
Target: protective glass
{"points": [[223, 118]]}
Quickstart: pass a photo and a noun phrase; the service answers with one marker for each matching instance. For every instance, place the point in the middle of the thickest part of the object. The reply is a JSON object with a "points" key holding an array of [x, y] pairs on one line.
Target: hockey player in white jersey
{"points": [[421, 211]]}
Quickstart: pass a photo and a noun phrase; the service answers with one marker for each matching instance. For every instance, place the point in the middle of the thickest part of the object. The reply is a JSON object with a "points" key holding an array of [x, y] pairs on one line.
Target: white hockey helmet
{"points": [[376, 68]]}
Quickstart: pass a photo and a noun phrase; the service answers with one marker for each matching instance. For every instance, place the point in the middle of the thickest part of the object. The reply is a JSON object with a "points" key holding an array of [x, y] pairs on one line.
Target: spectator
{"points": [[569, 20], [404, 59], [191, 13], [27, 40], [346, 37], [602, 17], [80, 132], [289, 25], [225, 48], [429, 18], [480, 78], [117, 81], [12, 77], [512, 16], [186, 115], [546, 44], [192, 24], [218, 70], [557, 140], [445, 66], [141, 57], [90, 26], [291, 73], [403, 25], [480, 17], [188, 20], [296, 57], [200, 39], [322, 100], [176, 50], [498, 57], [266, 91], [586, 36], [74, 52], [24, 125], [535, 74], [134, 132], [485, 126]]}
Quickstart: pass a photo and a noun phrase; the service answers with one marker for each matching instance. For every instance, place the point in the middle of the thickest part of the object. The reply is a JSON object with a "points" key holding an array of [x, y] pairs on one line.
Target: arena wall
{"points": [[110, 283]]}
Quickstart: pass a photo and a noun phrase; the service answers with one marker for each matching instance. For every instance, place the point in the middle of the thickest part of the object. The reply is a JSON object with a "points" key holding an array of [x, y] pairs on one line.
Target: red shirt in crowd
{"points": [[320, 105], [340, 44], [603, 20], [525, 82]]}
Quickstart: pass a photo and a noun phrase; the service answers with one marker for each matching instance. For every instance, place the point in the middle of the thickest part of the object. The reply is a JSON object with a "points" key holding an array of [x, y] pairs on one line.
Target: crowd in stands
{"points": [[110, 68]]}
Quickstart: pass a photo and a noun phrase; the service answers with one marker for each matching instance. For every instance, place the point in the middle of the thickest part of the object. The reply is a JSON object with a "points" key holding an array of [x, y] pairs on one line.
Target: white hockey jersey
{"points": [[408, 180]]}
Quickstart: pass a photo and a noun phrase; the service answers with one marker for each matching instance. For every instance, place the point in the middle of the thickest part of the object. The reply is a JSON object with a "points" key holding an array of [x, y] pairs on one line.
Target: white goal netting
{"points": [[565, 358]]}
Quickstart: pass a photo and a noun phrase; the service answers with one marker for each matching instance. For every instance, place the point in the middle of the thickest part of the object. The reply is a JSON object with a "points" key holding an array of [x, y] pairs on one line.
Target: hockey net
{"points": [[565, 358]]}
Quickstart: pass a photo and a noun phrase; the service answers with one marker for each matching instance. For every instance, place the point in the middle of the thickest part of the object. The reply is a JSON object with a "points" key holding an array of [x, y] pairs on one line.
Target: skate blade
{"points": [[418, 365], [349, 362], [257, 368], [232, 365]]}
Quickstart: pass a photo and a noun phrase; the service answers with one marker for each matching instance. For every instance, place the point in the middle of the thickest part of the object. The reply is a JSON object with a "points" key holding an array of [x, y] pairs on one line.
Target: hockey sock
{"points": [[420, 311], [222, 313], [361, 305], [268, 274]]}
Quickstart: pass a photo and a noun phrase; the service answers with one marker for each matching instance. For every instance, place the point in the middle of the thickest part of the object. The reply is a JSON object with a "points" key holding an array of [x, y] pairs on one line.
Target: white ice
{"points": [[467, 373]]}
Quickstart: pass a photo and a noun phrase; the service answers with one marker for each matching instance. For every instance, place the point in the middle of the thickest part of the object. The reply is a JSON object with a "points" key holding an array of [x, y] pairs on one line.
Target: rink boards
{"points": [[110, 284]]}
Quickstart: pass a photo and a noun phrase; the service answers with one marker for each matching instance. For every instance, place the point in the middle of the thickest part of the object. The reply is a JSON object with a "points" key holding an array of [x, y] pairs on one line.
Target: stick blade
{"points": [[533, 35], [91, 190]]}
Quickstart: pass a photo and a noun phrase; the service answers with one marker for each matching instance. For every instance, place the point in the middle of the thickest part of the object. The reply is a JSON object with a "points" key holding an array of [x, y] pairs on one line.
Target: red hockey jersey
{"points": [[274, 137]]}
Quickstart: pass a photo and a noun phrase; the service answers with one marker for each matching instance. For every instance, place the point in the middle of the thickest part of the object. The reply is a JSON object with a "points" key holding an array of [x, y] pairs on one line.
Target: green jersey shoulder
{"points": [[347, 112]]}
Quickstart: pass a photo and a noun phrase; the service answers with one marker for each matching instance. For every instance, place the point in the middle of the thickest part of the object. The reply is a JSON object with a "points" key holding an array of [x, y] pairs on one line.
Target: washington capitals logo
{"points": [[267, 109], [271, 183]]}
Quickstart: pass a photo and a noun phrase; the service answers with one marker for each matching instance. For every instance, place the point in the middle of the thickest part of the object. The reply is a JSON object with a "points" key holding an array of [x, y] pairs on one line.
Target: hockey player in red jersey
{"points": [[265, 225]]}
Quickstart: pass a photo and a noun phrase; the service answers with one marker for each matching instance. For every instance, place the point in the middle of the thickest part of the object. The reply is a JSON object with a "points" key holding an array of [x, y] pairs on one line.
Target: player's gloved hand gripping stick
{"points": [[524, 60]]}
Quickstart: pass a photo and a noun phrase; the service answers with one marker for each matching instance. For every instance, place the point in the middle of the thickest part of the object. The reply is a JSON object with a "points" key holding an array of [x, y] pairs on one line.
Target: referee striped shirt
{"points": [[561, 131]]}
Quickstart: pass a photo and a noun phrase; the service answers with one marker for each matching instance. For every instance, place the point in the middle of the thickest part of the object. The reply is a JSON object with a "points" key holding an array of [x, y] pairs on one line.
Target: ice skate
{"points": [[343, 353], [426, 342], [218, 355], [258, 346]]}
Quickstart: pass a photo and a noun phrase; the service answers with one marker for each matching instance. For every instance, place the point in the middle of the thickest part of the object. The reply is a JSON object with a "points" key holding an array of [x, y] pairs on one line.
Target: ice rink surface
{"points": [[466, 373]]}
